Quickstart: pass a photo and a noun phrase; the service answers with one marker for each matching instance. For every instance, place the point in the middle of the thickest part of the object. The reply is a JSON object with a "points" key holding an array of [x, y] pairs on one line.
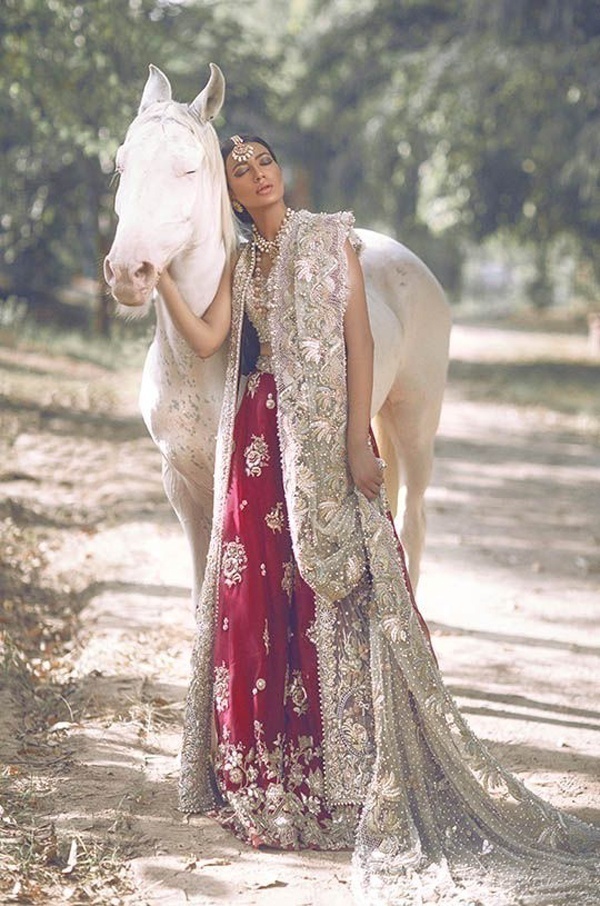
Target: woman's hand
{"points": [[165, 282], [366, 470]]}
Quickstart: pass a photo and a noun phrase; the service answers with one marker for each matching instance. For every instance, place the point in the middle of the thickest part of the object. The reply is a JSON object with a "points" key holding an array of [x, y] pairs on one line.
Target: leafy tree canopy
{"points": [[460, 118]]}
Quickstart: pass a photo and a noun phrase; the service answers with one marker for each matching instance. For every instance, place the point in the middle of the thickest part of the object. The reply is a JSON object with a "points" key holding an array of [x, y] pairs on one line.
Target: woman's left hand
{"points": [[165, 281], [366, 469]]}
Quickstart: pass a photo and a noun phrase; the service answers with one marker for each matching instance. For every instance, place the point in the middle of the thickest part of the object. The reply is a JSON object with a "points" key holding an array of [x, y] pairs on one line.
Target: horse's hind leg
{"points": [[384, 437], [417, 461], [408, 444]]}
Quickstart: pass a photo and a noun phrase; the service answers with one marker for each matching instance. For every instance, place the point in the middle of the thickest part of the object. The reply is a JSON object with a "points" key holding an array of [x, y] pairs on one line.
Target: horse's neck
{"points": [[197, 270]]}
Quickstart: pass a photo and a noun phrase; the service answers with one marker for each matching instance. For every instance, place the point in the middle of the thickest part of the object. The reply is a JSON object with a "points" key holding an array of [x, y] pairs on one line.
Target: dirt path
{"points": [[511, 587]]}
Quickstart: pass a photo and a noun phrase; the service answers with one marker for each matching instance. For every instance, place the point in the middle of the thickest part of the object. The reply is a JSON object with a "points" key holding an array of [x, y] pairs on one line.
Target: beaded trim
{"points": [[271, 247]]}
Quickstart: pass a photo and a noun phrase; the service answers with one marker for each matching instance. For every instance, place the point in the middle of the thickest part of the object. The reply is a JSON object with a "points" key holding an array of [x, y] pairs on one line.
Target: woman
{"points": [[317, 716]]}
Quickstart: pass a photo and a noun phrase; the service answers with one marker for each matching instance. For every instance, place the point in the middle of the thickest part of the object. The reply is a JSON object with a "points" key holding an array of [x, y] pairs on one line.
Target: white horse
{"points": [[174, 210]]}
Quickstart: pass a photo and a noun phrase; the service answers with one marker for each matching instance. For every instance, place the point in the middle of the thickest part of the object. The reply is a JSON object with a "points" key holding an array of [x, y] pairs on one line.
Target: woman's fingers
{"points": [[370, 487], [367, 471]]}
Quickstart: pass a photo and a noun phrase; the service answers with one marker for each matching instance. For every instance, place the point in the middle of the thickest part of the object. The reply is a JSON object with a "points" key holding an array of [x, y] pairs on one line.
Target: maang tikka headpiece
{"points": [[242, 151]]}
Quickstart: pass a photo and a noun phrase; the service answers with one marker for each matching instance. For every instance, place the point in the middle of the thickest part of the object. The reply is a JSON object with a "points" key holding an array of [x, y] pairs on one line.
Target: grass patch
{"points": [[38, 624], [40, 867]]}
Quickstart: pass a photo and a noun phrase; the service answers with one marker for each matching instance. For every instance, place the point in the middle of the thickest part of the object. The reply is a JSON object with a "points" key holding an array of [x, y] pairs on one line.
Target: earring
{"points": [[237, 206]]}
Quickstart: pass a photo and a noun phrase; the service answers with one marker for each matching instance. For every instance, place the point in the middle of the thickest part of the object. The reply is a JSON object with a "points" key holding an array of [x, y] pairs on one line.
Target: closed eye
{"points": [[186, 162]]}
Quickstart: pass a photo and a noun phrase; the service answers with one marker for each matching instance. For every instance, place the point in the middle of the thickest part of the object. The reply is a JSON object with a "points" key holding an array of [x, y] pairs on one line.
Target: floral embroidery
{"points": [[304, 269], [252, 385], [311, 632], [296, 692], [277, 790], [287, 581], [275, 518], [235, 561], [256, 455], [347, 709], [221, 688]]}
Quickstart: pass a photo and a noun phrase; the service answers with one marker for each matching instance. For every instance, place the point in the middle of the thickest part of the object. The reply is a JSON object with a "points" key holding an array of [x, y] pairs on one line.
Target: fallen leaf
{"points": [[72, 860], [62, 725], [270, 884]]}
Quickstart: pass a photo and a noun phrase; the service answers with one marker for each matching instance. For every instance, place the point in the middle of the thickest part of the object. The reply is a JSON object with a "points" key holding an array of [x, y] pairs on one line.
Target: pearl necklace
{"points": [[270, 247]]}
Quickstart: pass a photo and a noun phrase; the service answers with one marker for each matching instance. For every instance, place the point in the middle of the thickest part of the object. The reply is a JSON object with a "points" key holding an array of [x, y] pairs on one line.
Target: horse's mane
{"points": [[206, 135]]}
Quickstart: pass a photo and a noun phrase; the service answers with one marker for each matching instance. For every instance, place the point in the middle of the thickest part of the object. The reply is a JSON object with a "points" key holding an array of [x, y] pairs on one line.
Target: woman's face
{"points": [[257, 183]]}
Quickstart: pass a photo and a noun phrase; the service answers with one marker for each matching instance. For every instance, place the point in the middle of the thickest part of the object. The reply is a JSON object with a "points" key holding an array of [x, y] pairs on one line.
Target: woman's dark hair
{"points": [[226, 149]]}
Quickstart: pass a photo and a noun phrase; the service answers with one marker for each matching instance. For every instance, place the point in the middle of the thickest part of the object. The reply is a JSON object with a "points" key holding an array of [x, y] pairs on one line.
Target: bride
{"points": [[317, 716]]}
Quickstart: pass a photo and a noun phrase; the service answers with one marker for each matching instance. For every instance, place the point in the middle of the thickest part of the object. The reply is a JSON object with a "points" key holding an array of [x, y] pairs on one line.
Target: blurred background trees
{"points": [[467, 129]]}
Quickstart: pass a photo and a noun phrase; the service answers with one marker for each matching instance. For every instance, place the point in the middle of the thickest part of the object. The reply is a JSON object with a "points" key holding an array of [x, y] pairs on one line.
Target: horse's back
{"points": [[410, 319], [392, 269]]}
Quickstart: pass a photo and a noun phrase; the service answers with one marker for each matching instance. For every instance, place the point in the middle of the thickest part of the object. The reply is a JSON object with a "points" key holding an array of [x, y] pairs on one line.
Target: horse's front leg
{"points": [[193, 506]]}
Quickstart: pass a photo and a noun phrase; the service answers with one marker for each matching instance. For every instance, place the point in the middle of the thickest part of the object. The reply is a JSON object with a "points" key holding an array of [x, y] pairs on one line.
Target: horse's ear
{"points": [[157, 88], [210, 100]]}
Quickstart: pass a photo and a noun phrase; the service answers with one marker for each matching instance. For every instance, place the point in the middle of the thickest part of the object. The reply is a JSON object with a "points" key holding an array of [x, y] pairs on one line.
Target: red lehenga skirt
{"points": [[267, 756]]}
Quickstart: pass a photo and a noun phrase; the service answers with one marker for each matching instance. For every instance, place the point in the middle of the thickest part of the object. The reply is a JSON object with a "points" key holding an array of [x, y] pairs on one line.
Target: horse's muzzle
{"points": [[130, 284]]}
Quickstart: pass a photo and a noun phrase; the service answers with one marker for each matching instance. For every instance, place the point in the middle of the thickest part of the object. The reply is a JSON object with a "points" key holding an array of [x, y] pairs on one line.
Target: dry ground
{"points": [[97, 622]]}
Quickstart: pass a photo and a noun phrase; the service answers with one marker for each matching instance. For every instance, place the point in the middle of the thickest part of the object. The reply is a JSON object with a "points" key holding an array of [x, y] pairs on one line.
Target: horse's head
{"points": [[170, 174]]}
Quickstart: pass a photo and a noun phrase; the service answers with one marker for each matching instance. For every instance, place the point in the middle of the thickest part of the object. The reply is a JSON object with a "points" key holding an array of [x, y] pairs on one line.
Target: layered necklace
{"points": [[270, 247]]}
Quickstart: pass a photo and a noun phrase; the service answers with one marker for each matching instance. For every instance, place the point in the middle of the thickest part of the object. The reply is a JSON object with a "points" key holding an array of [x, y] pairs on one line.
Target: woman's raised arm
{"points": [[206, 334]]}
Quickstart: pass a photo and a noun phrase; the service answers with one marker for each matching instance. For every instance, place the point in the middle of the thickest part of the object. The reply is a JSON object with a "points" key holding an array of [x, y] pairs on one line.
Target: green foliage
{"points": [[70, 78], [456, 119], [439, 121]]}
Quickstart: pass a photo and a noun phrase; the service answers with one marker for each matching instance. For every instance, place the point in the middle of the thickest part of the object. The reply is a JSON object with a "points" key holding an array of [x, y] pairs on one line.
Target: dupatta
{"points": [[441, 820]]}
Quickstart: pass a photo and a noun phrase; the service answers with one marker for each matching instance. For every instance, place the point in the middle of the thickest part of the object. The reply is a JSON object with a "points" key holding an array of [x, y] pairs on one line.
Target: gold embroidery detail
{"points": [[252, 385], [287, 580], [296, 693], [235, 561], [311, 632], [275, 518], [287, 813], [256, 455], [221, 688]]}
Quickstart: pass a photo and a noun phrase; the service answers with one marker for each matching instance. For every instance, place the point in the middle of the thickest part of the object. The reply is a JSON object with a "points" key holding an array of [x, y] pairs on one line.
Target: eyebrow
{"points": [[244, 163]]}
